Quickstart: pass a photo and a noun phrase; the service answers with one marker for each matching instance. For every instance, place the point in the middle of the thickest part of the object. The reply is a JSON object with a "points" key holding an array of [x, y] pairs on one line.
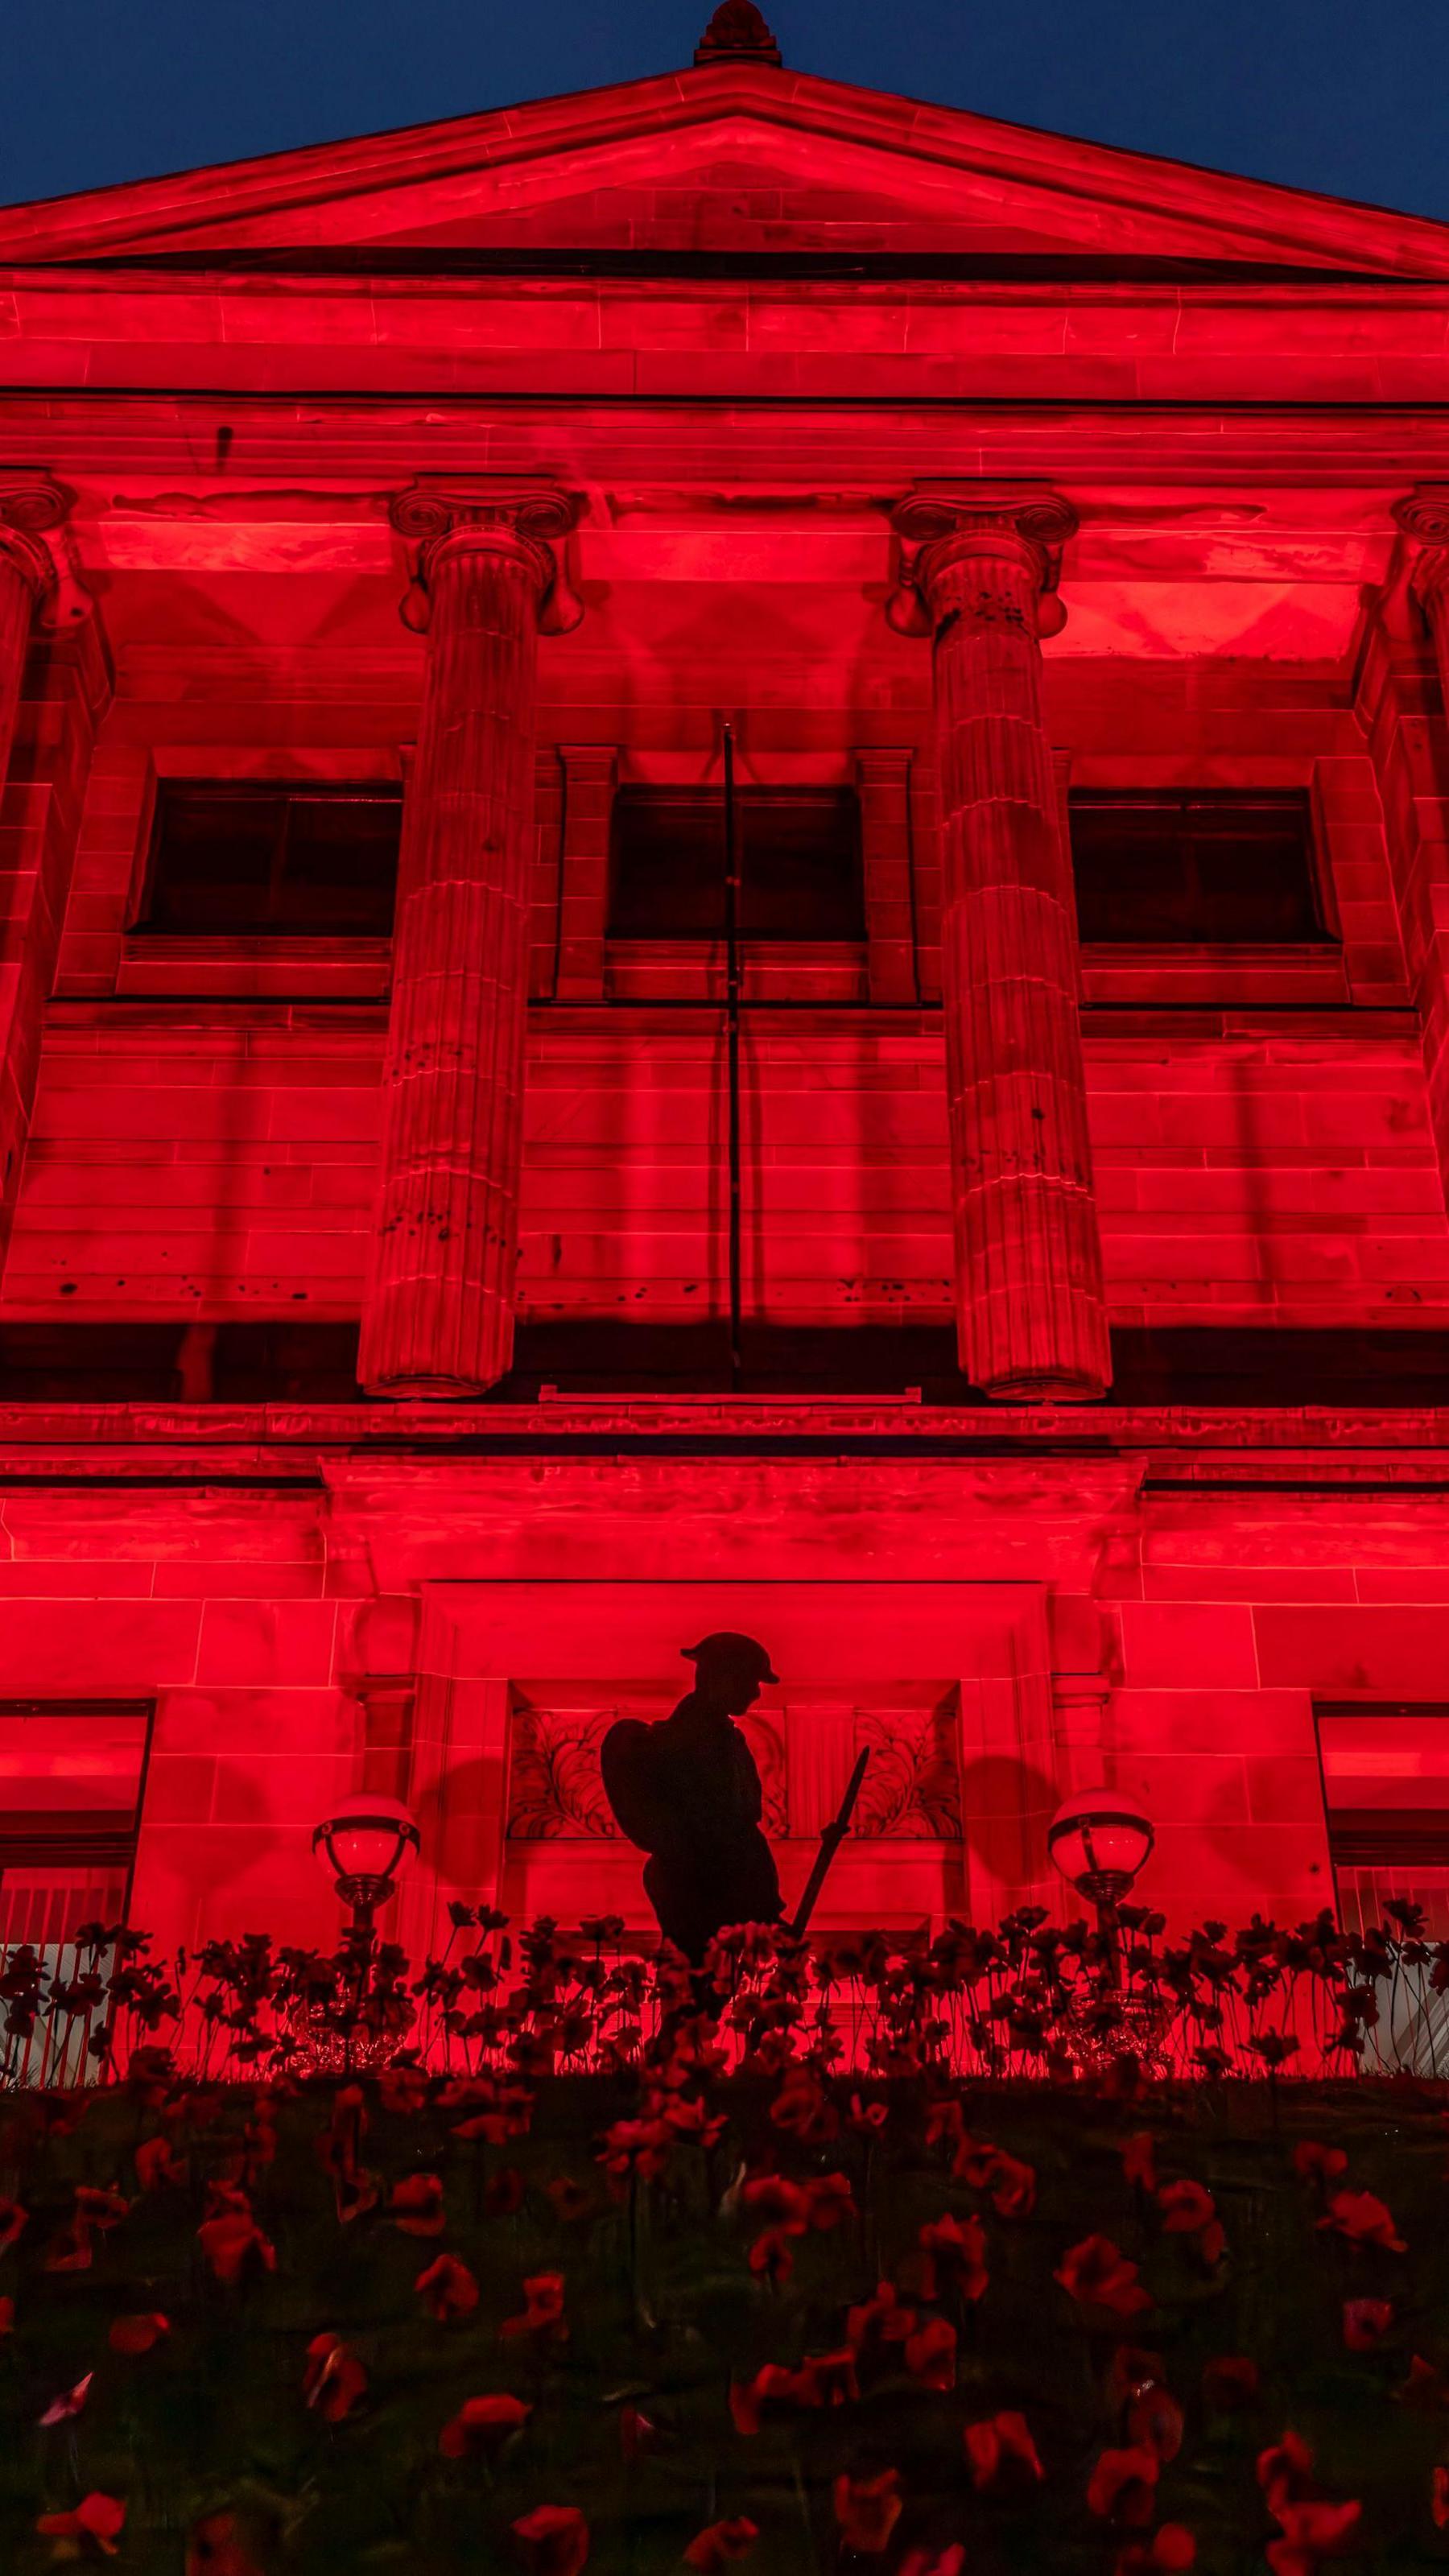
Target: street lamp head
{"points": [[363, 1846], [1099, 1841]]}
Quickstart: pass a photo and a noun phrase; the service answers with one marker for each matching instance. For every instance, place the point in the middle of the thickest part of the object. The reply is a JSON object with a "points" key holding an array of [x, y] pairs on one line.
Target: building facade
{"points": [[726, 876]]}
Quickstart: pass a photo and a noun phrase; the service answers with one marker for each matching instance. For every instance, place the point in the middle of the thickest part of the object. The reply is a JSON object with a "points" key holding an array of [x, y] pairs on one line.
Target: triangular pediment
{"points": [[734, 159]]}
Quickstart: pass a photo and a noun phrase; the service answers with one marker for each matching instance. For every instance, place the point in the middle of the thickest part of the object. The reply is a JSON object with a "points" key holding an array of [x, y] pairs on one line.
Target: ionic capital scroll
{"points": [[1423, 515], [33, 514], [1012, 533], [487, 514]]}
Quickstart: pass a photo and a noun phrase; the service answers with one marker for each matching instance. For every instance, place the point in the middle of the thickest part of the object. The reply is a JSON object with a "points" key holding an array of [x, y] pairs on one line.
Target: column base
{"points": [[1045, 1387], [429, 1390]]}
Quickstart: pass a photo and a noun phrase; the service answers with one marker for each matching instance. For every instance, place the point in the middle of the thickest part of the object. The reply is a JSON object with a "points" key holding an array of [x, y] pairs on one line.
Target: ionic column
{"points": [[1031, 1322], [438, 1317], [1420, 848], [32, 509]]}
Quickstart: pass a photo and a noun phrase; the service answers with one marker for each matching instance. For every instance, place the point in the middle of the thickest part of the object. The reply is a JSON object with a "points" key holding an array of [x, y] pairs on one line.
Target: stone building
{"points": [[483, 1204]]}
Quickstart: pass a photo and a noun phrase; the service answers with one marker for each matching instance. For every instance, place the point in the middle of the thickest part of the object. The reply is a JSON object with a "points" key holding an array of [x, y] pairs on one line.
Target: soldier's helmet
{"points": [[729, 1656]]}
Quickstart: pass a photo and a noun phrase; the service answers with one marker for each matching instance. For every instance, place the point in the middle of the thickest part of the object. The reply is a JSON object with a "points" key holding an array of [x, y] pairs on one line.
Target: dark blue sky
{"points": [[1350, 96]]}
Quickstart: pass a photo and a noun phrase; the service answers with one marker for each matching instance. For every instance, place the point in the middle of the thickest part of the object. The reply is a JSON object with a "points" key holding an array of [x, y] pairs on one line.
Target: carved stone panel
{"points": [[912, 1786], [555, 1790]]}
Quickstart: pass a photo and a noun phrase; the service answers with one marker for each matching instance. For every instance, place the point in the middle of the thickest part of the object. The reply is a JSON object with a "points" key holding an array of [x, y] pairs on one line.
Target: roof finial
{"points": [[736, 33]]}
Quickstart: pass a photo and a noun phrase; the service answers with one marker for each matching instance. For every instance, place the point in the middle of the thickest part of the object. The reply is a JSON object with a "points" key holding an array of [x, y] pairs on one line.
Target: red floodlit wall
{"points": [[1194, 430]]}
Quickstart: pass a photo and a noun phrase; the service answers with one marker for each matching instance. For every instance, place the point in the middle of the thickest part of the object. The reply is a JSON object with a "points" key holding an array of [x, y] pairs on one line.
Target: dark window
{"points": [[1195, 867], [305, 860], [799, 864]]}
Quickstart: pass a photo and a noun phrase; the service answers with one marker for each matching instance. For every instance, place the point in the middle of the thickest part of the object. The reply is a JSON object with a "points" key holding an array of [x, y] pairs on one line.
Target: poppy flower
{"points": [[1012, 2185], [637, 2148], [1364, 2220], [553, 2540], [867, 2116], [867, 2510], [1366, 2322], [881, 2316], [7, 2316], [1229, 2381], [416, 2205], [137, 2333], [103, 2209], [771, 2257], [1122, 2486], [774, 2384], [157, 2162], [12, 2220], [1311, 2531], [1098, 2275], [930, 2354], [97, 2517], [1285, 2472], [69, 2403], [721, 2543], [214, 2549], [69, 2249], [334, 2378], [543, 2307], [947, 2562], [1171, 2550], [958, 2246], [945, 2123], [1439, 2499], [1139, 2160], [782, 2204], [481, 2423], [447, 2288], [1314, 2162], [1189, 2210], [802, 2107], [1155, 2421], [829, 2201], [233, 2240], [1424, 2387], [402, 2090], [1001, 2453]]}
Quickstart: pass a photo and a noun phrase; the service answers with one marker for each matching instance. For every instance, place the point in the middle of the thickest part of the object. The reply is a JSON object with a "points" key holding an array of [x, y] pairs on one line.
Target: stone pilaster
{"points": [[438, 1317], [979, 579]]}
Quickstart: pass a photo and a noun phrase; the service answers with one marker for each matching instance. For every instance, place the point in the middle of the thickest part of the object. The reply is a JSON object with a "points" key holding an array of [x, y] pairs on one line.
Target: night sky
{"points": [[1338, 95]]}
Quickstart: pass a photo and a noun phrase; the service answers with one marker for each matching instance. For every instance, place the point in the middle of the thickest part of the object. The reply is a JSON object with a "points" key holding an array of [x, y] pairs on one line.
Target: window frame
{"points": [[287, 793], [707, 796]]}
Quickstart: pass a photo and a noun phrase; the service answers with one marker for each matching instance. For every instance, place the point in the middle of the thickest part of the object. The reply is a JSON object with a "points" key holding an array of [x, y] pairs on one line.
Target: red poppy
{"points": [[1123, 2486], [1155, 2421], [1364, 2220], [772, 2385], [802, 2107], [447, 2288], [334, 2378], [1098, 2275], [1439, 2499], [231, 2242], [881, 2315], [543, 2307], [553, 2540], [1171, 2550], [416, 2205], [213, 2548], [481, 2424], [69, 2403], [1424, 2388], [1316, 2163], [829, 2201], [1012, 2185], [1229, 2381], [1366, 2322], [784, 2205], [137, 2333], [12, 2220], [722, 2543], [867, 2510], [402, 2090], [103, 2209], [959, 2245], [7, 2316], [1188, 2210], [635, 2147], [945, 2123], [867, 2116], [503, 2193], [770, 2256], [930, 2354], [1000, 2451], [97, 2517], [1285, 2472], [1311, 2531], [949, 2562], [1139, 2160], [69, 2249], [157, 2162]]}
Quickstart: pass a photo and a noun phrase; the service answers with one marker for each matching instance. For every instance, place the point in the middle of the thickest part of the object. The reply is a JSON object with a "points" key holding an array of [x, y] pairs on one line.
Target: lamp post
{"points": [[1099, 1841], [361, 1849]]}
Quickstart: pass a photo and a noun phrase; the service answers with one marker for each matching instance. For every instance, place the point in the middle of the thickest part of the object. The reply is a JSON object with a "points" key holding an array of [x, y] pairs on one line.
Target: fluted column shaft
{"points": [[1031, 1320], [439, 1313]]}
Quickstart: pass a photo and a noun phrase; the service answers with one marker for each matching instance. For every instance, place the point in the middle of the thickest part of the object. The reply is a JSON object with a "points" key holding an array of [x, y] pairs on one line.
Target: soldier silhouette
{"points": [[687, 1792]]}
